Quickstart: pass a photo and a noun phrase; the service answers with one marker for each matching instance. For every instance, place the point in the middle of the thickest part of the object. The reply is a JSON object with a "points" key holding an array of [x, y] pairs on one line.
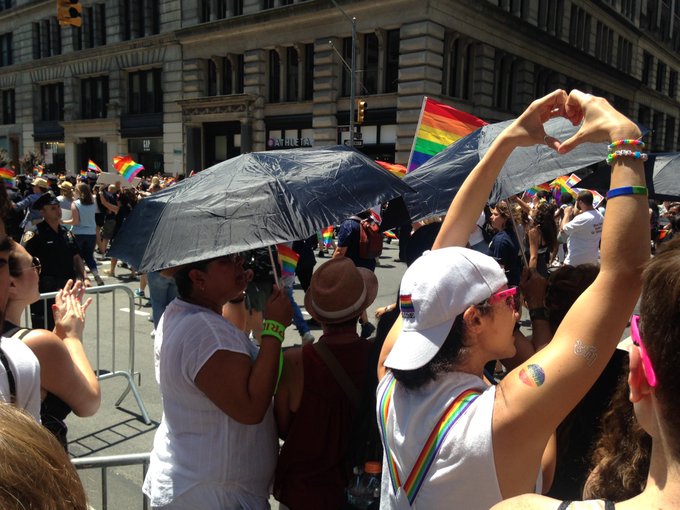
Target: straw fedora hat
{"points": [[340, 291], [40, 182], [65, 185]]}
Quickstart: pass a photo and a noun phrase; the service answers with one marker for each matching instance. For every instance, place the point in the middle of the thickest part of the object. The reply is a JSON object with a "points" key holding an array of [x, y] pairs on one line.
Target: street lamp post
{"points": [[353, 70]]}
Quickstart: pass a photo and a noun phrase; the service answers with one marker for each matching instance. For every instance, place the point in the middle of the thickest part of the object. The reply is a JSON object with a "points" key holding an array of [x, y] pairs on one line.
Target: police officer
{"points": [[60, 259]]}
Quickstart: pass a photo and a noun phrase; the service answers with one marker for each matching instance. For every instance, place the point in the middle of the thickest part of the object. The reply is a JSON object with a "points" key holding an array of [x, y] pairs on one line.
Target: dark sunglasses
{"points": [[35, 264]]}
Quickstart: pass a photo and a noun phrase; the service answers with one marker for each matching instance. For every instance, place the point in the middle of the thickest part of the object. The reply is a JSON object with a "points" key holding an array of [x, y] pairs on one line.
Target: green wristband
{"points": [[273, 328]]}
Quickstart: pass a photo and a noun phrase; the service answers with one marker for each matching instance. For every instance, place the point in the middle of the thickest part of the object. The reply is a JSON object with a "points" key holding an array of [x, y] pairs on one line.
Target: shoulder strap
{"points": [[10, 377], [17, 332], [431, 447], [608, 505], [338, 372]]}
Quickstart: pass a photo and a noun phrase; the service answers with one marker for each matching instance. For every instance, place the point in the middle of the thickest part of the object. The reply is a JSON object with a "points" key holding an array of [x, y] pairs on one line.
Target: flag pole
{"points": [[415, 134]]}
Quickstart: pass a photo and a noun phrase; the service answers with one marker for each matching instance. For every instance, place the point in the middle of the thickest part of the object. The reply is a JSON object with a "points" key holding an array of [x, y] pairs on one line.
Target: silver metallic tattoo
{"points": [[588, 352]]}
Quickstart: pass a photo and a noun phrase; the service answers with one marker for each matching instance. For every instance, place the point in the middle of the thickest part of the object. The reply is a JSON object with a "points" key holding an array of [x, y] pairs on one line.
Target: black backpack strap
{"points": [[564, 505], [608, 505]]}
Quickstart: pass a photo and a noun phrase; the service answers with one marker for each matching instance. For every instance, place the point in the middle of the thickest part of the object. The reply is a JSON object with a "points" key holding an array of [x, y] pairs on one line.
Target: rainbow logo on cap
{"points": [[406, 306]]}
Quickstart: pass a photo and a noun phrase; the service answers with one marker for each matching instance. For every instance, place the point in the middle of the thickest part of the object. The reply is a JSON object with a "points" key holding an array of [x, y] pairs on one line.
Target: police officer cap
{"points": [[48, 198]]}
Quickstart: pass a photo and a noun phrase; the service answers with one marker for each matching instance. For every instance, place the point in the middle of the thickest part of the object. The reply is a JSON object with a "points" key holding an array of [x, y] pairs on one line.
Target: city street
{"points": [[121, 430]]}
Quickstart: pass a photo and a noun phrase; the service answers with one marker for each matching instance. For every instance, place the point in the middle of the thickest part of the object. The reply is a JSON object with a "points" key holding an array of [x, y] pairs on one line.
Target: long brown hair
{"points": [[85, 193]]}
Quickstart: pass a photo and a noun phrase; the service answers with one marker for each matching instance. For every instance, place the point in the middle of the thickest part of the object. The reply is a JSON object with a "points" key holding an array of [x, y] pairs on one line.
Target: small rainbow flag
{"points": [[390, 235], [38, 170], [393, 168], [560, 186], [170, 181], [92, 167], [327, 236], [406, 306], [83, 173], [439, 126], [288, 259], [540, 187], [7, 176], [126, 167]]}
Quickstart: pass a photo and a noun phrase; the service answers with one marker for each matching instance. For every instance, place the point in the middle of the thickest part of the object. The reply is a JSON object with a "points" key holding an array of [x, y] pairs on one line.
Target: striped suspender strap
{"points": [[433, 444]]}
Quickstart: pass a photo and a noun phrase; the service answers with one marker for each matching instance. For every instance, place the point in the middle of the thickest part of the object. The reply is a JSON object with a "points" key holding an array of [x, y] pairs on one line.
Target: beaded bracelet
{"points": [[626, 141], [627, 190], [642, 156], [273, 328]]}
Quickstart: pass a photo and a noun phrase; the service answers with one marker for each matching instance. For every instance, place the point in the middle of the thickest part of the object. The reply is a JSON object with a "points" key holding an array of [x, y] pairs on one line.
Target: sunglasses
{"points": [[511, 296], [637, 340], [35, 264]]}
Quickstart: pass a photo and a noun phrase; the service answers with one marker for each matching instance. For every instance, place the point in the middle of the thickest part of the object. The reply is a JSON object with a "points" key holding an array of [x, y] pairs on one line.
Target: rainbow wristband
{"points": [[626, 154], [626, 141], [273, 328], [627, 190]]}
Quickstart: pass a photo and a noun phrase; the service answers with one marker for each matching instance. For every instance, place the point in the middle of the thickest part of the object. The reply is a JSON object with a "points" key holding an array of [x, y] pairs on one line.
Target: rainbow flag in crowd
{"points": [[439, 126], [92, 167], [170, 181], [561, 185], [288, 259], [7, 176], [38, 170], [390, 235], [327, 236], [393, 168], [126, 167], [533, 191], [83, 173]]}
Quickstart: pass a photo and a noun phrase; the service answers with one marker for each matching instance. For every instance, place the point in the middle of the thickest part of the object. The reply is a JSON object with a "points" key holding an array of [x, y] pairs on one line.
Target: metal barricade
{"points": [[99, 295], [109, 461]]}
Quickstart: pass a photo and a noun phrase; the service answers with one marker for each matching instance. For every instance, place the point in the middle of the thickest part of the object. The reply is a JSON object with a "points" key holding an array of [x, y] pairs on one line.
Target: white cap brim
{"points": [[414, 349]]}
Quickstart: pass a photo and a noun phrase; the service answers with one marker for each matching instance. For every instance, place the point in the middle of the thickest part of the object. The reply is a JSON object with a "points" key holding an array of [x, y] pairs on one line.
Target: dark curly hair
{"points": [[545, 220], [564, 286]]}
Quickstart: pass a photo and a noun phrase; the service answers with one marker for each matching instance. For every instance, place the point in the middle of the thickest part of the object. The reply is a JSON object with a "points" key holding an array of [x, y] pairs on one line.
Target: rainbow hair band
{"points": [[449, 417]]}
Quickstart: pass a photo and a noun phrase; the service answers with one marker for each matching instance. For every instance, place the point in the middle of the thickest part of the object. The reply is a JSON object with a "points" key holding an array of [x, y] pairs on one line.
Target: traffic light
{"points": [[361, 111], [69, 12]]}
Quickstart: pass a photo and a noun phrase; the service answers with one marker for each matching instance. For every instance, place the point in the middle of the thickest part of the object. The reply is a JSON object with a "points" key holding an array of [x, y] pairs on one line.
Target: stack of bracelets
{"points": [[615, 154]]}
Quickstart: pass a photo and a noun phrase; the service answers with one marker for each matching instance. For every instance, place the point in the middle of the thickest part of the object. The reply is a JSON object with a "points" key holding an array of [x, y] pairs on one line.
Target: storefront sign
{"points": [[287, 143]]}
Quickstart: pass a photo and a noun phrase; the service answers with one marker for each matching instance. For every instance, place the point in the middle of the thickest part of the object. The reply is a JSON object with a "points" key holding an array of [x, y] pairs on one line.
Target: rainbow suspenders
{"points": [[434, 442]]}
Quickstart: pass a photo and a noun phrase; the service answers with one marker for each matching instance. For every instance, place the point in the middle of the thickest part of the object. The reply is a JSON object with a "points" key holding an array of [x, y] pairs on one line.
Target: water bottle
{"points": [[372, 472]]}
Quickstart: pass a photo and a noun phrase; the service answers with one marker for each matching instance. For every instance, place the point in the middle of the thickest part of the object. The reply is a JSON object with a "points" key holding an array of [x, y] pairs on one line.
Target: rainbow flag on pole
{"points": [[126, 167], [7, 176], [438, 127], [92, 167], [394, 168], [327, 236], [288, 259]]}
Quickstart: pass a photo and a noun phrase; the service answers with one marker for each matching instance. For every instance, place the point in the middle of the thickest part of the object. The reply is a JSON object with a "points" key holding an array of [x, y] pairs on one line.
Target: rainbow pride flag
{"points": [[83, 173], [288, 259], [92, 167], [438, 127], [7, 176], [393, 168], [327, 236], [38, 170], [560, 186], [126, 167], [390, 235]]}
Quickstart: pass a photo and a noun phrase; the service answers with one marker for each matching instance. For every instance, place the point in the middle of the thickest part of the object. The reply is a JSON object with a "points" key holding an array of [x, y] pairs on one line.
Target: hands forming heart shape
{"points": [[600, 121]]}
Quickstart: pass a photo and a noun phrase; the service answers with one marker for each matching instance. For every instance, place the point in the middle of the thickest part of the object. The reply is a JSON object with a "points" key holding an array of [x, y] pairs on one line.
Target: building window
{"points": [[6, 4], [515, 7], [88, 27], [624, 55], [8, 115], [392, 41], [145, 94], [660, 76], [673, 84], [46, 38], [628, 9], [237, 9], [579, 30], [212, 78], [274, 77], [6, 58], [94, 94], [669, 135], [204, 11], [99, 24], [505, 72], [369, 76], [604, 43], [346, 74], [267, 4], [308, 86], [657, 124], [550, 14], [52, 102], [460, 68], [292, 74], [140, 18], [647, 65], [225, 76]]}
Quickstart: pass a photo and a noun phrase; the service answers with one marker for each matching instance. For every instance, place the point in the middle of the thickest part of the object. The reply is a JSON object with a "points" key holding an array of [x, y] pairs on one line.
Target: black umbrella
{"points": [[437, 181], [253, 200], [662, 172]]}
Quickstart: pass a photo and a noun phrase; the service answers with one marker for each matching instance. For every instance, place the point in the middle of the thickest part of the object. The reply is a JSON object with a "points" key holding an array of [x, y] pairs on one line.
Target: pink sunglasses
{"points": [[637, 340], [511, 297]]}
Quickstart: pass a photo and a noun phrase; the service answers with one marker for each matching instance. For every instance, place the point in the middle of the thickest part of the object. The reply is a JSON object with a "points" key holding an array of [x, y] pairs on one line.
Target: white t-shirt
{"points": [[463, 474], [199, 451], [584, 232], [26, 371]]}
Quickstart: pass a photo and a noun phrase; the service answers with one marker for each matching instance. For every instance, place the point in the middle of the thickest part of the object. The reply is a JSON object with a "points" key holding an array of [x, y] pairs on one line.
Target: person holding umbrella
{"points": [[449, 438], [216, 446]]}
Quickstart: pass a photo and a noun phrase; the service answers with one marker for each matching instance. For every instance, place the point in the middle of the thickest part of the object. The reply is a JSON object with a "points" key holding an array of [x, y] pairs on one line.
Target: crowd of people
{"points": [[448, 395]]}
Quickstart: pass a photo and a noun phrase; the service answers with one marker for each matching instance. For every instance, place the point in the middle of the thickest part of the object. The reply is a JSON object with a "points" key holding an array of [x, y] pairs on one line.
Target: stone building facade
{"points": [[183, 84]]}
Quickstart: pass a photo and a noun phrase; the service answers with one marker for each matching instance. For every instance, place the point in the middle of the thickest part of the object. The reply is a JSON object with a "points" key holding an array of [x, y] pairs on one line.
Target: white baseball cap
{"points": [[439, 286]]}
